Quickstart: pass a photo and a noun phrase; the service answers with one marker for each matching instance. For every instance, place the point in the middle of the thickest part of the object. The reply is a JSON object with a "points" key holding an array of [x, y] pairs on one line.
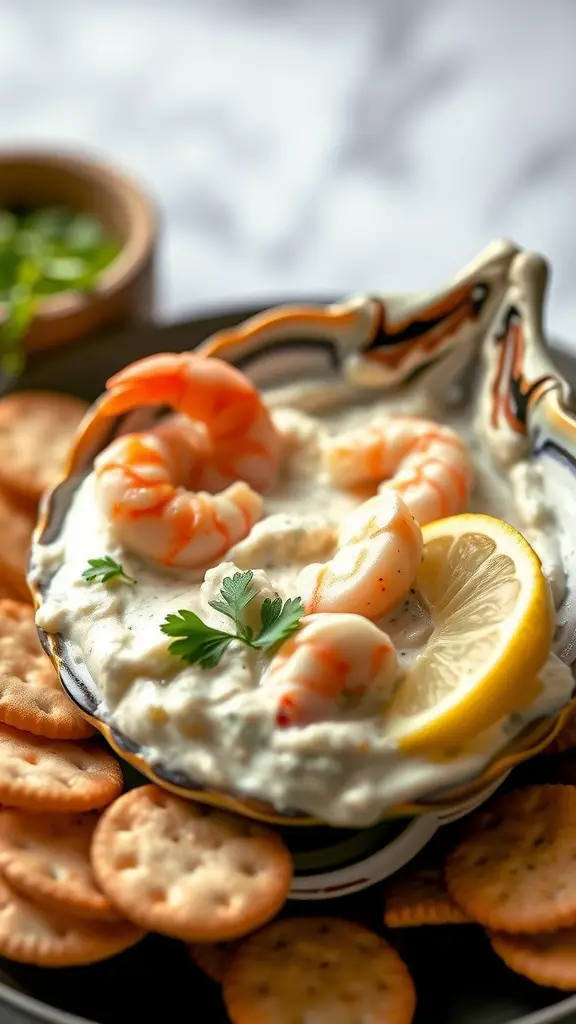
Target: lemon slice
{"points": [[493, 625]]}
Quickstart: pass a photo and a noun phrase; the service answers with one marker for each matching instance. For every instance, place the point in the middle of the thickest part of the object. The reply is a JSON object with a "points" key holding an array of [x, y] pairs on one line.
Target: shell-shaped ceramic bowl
{"points": [[478, 342]]}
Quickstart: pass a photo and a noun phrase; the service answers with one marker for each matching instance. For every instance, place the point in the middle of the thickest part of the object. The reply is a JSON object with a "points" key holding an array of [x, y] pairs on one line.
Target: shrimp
{"points": [[379, 554], [159, 489], [244, 443], [426, 463], [142, 489], [333, 663]]}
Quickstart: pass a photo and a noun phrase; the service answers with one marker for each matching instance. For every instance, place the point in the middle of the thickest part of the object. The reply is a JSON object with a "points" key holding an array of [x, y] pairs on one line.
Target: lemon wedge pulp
{"points": [[493, 625]]}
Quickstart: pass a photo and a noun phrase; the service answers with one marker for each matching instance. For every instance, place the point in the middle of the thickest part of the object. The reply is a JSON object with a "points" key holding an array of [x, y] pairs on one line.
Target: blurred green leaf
{"points": [[44, 252], [67, 269], [28, 272], [19, 314], [48, 224], [84, 234], [45, 287], [28, 243], [8, 225], [9, 262], [105, 254]]}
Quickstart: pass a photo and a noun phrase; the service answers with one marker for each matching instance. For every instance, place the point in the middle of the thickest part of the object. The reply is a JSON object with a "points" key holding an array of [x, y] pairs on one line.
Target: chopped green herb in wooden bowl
{"points": [[43, 252], [77, 253]]}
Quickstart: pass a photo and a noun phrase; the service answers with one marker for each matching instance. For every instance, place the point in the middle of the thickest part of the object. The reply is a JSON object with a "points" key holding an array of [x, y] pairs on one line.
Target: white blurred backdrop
{"points": [[301, 146]]}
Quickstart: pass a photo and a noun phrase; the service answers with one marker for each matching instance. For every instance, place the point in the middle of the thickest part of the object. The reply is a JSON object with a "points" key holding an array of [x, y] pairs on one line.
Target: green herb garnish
{"points": [[43, 252], [101, 570], [200, 644]]}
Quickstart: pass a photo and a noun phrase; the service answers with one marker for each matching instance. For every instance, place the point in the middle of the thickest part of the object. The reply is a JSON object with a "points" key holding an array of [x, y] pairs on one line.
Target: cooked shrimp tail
{"points": [[378, 557], [209, 391], [185, 493], [427, 464], [333, 665], [143, 495]]}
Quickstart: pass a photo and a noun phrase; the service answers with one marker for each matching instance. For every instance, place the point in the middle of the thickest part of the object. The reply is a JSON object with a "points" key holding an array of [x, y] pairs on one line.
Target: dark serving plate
{"points": [[458, 978]]}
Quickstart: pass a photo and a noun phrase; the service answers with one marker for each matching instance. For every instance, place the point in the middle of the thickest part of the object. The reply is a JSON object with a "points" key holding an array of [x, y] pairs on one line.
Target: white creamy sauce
{"points": [[218, 726]]}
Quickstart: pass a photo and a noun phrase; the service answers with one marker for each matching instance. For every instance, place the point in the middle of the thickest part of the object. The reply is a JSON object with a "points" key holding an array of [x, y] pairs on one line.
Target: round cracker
{"points": [[31, 697], [213, 958], [36, 432], [545, 959], [47, 858], [33, 934], [16, 527], [37, 774], [187, 870], [420, 897], [320, 969], [515, 870]]}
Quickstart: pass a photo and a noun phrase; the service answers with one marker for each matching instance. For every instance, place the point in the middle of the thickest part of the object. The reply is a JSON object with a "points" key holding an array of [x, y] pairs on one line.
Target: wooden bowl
{"points": [[124, 293]]}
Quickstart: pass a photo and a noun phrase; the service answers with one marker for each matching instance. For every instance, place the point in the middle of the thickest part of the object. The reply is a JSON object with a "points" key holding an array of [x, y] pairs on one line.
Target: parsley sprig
{"points": [[101, 570], [201, 644]]}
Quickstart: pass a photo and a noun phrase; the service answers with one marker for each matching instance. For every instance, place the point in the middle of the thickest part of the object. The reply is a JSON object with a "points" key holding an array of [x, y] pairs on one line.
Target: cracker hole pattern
{"points": [[157, 895], [126, 862]]}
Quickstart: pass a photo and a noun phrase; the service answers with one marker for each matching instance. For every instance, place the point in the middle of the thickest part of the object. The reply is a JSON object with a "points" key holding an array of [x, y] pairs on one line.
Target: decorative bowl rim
{"points": [[536, 736]]}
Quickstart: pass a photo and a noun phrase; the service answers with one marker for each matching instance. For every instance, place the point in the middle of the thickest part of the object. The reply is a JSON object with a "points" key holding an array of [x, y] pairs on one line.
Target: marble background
{"points": [[301, 146]]}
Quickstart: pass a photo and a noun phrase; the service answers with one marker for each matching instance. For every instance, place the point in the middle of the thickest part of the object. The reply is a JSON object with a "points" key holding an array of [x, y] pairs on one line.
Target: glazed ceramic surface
{"points": [[459, 979], [478, 338]]}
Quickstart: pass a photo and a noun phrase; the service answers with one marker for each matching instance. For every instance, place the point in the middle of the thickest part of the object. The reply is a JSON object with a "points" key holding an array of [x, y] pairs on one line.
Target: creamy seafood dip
{"points": [[218, 725]]}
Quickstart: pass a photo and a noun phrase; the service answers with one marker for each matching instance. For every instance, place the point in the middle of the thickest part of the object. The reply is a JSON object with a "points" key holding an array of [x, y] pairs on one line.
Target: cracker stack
{"points": [[51, 910], [36, 430], [513, 873], [85, 872], [51, 786]]}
